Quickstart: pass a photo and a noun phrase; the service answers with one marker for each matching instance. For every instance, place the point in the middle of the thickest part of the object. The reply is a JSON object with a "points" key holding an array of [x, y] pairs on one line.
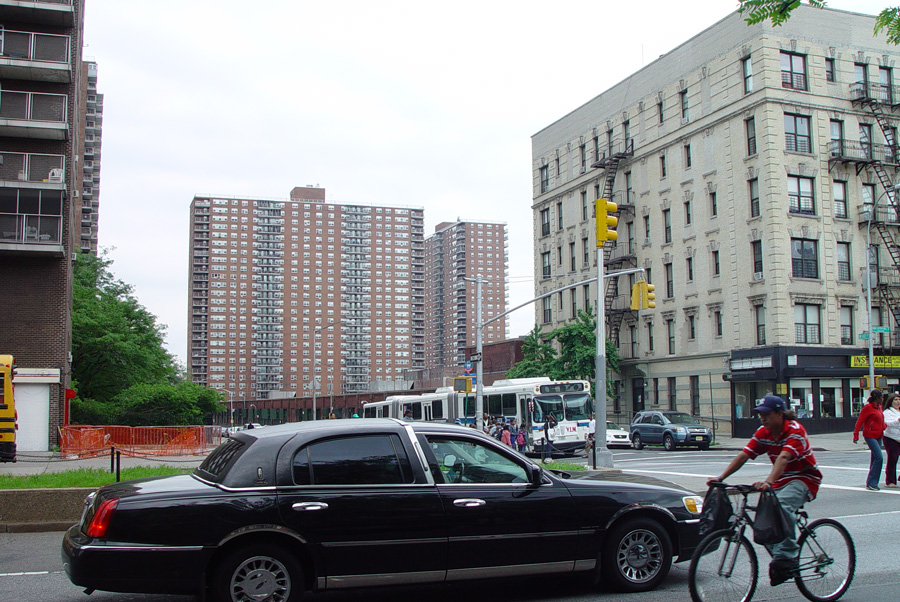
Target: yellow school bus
{"points": [[7, 410]]}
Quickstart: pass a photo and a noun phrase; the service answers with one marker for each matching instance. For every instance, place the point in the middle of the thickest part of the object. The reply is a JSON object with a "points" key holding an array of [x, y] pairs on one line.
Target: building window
{"points": [[754, 197], [596, 148], [800, 194], [717, 322], [806, 324], [660, 112], [836, 146], [689, 266], [587, 251], [572, 256], [747, 68], [583, 158], [695, 395], [688, 216], [846, 325], [829, 70], [750, 127], [796, 133], [685, 110], [626, 133], [559, 216], [886, 85], [756, 251], [650, 336], [545, 264], [860, 75], [547, 313], [692, 327], [662, 167], [804, 258], [574, 303], [865, 139], [584, 205], [843, 260], [670, 333], [647, 227], [670, 281], [545, 178], [629, 189], [673, 399], [559, 255], [715, 263], [839, 191], [545, 222], [587, 296], [667, 225], [868, 198], [632, 331], [687, 156], [793, 71], [760, 312], [713, 205]]}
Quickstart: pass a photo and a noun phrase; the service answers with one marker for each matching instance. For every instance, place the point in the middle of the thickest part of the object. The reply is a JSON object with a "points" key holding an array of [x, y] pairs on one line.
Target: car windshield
{"points": [[680, 418], [613, 425], [571, 406]]}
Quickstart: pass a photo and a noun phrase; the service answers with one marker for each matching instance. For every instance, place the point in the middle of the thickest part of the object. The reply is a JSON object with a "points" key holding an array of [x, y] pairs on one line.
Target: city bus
{"points": [[527, 400], [7, 410]]}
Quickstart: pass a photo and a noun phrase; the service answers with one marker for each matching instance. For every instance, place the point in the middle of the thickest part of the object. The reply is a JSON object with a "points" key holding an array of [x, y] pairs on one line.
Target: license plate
{"points": [[698, 438]]}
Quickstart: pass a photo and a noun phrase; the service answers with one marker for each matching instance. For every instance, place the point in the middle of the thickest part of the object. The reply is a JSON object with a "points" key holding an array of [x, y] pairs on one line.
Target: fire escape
{"points": [[879, 157], [621, 254]]}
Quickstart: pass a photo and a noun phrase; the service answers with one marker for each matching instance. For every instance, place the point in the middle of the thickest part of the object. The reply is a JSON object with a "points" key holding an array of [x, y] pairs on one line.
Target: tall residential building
{"points": [[91, 124], [454, 256], [746, 164], [284, 289], [40, 144]]}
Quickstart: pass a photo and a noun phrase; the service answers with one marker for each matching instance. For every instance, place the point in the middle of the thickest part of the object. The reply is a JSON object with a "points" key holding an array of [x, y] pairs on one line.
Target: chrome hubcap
{"points": [[639, 556], [260, 579]]}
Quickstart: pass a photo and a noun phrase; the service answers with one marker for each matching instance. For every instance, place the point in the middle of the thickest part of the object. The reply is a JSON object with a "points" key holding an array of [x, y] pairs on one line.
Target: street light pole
{"points": [[230, 406], [479, 385], [601, 456], [315, 383]]}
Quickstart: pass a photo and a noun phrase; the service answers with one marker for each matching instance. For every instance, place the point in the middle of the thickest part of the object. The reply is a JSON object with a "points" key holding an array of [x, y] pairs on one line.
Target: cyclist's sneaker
{"points": [[782, 570], [872, 488]]}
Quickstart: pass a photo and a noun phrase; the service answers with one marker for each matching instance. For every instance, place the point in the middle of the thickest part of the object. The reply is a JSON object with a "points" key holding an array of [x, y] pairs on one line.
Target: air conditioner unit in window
{"points": [[757, 275], [647, 241]]}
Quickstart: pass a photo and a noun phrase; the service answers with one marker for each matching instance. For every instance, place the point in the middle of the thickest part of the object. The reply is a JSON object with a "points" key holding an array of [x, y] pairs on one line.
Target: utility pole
{"points": [[606, 224], [479, 385]]}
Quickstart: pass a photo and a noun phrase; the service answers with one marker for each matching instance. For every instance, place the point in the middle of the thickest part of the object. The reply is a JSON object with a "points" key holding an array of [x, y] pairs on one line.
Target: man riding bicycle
{"points": [[794, 478]]}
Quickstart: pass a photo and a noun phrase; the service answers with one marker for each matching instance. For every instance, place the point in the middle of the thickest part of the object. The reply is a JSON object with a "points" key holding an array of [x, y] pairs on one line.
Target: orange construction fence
{"points": [[84, 441]]}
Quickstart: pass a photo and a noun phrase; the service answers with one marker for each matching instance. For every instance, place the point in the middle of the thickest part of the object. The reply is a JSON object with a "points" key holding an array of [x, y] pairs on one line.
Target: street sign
{"points": [[880, 329], [468, 367], [864, 335], [475, 357]]}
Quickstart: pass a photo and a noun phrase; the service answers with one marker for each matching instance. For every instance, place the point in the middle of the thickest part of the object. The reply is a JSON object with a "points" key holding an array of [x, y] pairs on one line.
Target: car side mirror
{"points": [[535, 474]]}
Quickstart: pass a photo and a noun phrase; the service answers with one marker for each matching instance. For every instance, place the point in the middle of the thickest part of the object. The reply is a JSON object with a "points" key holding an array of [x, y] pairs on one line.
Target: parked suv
{"points": [[670, 429]]}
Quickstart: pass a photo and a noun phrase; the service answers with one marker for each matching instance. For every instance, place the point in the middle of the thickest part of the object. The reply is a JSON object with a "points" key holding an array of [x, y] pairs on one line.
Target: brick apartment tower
{"points": [[91, 127], [269, 279], [455, 251], [40, 104]]}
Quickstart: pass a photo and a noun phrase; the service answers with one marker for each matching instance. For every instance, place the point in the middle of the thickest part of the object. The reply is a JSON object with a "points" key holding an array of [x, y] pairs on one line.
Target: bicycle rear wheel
{"points": [[723, 569], [827, 561]]}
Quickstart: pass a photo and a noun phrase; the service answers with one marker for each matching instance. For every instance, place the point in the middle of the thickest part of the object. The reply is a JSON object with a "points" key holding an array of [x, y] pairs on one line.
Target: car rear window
{"points": [[216, 463], [362, 460]]}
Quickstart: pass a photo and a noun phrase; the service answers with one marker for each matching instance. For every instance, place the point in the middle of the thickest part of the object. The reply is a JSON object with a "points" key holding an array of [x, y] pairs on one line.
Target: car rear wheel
{"points": [[258, 573], [636, 442], [669, 442], [637, 555]]}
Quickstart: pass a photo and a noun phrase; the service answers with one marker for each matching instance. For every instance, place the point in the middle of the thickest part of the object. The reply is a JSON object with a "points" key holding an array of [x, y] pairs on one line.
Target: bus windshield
{"points": [[571, 406]]}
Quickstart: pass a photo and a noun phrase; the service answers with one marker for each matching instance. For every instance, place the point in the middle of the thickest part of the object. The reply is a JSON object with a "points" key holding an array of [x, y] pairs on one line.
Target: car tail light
{"points": [[101, 518]]}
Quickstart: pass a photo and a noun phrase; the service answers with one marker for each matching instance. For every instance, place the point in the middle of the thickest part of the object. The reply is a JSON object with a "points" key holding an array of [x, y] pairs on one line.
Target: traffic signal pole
{"points": [[479, 385]]}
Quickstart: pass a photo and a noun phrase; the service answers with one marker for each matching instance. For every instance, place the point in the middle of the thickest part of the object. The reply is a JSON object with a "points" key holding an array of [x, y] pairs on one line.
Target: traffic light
{"points": [[462, 384], [606, 223], [880, 382], [642, 295]]}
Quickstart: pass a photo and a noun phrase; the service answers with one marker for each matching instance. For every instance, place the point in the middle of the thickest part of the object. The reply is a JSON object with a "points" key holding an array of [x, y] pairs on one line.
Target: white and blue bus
{"points": [[527, 400]]}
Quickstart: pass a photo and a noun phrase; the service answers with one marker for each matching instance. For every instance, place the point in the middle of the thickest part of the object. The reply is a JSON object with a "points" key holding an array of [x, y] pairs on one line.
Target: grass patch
{"points": [[567, 466], [85, 477]]}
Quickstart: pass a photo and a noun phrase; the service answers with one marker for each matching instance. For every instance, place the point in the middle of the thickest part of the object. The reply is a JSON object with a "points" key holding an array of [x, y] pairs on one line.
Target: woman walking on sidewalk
{"points": [[871, 420], [892, 438]]}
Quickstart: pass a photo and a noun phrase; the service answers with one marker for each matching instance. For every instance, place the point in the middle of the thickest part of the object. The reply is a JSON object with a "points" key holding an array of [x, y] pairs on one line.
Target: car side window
{"points": [[471, 461], [360, 460], [657, 419]]}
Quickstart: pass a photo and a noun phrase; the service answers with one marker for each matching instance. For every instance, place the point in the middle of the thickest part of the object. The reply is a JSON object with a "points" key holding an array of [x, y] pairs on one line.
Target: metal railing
{"points": [[30, 167], [30, 229], [34, 46], [33, 106], [853, 150]]}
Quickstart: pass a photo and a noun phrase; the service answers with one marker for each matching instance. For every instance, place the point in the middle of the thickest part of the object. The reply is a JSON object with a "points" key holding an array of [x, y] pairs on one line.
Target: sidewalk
{"points": [[825, 442]]}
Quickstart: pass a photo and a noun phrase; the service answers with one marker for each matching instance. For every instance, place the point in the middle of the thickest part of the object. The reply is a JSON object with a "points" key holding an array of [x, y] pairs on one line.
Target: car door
{"points": [[497, 522], [372, 514], [652, 428]]}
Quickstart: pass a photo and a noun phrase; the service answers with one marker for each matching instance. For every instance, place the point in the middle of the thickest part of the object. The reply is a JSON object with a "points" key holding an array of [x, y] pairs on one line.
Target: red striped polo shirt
{"points": [[793, 439]]}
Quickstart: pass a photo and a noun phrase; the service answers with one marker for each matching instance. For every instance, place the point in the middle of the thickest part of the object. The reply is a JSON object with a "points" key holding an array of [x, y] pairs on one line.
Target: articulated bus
{"points": [[528, 400], [7, 410]]}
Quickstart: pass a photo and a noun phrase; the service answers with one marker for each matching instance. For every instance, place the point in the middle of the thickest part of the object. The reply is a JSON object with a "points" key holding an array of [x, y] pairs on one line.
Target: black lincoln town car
{"points": [[276, 512]]}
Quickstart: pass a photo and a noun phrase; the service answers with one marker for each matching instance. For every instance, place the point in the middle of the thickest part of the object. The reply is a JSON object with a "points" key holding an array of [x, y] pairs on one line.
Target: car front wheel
{"points": [[669, 443], [259, 572], [637, 555], [636, 442]]}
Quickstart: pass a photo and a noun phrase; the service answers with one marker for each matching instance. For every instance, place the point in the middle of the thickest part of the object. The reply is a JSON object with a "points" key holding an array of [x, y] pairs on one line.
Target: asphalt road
{"points": [[31, 569]]}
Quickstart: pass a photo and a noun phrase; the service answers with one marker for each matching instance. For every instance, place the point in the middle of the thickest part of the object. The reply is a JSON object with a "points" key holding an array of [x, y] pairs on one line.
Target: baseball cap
{"points": [[769, 403]]}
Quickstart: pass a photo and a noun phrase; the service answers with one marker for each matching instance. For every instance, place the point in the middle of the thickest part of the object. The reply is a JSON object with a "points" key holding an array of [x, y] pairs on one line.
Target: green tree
{"points": [[183, 403], [537, 355], [116, 342], [779, 11]]}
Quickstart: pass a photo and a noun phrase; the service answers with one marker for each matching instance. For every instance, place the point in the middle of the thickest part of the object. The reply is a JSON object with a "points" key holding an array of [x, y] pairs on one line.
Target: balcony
{"points": [[862, 153], [31, 220], [33, 115], [35, 57], [56, 13], [29, 170]]}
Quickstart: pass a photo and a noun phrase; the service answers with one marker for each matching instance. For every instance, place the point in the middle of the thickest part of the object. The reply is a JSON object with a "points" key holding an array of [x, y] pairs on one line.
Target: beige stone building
{"points": [[745, 163]]}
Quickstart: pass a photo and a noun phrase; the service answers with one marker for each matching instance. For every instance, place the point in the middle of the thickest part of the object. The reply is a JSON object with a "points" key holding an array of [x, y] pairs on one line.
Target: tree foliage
{"points": [[120, 368], [779, 11]]}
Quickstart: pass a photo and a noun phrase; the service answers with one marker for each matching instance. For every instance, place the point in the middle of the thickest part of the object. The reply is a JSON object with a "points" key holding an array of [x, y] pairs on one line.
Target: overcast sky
{"points": [[390, 102]]}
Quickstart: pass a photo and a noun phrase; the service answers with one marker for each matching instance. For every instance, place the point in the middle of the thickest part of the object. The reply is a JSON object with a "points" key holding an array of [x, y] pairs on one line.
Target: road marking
{"points": [[26, 574], [707, 476], [866, 515]]}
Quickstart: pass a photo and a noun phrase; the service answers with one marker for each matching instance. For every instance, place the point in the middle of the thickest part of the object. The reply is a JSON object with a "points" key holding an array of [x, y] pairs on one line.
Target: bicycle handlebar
{"points": [[733, 488]]}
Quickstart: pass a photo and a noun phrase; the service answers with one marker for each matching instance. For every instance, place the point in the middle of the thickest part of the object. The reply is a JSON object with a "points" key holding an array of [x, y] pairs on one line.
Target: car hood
{"points": [[593, 478]]}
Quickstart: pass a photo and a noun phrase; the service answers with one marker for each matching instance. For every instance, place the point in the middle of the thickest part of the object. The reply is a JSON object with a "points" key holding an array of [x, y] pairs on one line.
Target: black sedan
{"points": [[275, 512]]}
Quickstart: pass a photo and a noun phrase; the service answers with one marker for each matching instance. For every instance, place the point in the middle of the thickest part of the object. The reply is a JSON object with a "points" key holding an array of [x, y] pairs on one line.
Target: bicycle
{"points": [[724, 566]]}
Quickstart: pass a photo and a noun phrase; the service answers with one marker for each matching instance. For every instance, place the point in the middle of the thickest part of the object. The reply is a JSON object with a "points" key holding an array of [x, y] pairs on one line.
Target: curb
{"points": [[40, 510]]}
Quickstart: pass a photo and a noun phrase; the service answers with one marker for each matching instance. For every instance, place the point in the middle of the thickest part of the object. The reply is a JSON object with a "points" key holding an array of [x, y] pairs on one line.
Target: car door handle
{"points": [[309, 506], [468, 502]]}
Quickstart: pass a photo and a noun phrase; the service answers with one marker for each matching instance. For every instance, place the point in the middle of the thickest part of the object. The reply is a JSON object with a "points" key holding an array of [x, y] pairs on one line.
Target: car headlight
{"points": [[680, 430], [693, 504]]}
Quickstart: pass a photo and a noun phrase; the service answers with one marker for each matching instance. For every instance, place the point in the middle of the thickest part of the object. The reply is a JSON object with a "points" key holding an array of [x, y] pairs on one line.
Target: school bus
{"points": [[7, 410]]}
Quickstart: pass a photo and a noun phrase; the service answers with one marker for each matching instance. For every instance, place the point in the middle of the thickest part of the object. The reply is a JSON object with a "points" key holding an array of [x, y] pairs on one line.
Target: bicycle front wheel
{"points": [[723, 569], [827, 560]]}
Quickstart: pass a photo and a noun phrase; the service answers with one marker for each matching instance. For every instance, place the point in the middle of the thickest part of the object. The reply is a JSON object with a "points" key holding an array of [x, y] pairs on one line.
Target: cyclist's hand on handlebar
{"points": [[713, 480], [762, 485]]}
